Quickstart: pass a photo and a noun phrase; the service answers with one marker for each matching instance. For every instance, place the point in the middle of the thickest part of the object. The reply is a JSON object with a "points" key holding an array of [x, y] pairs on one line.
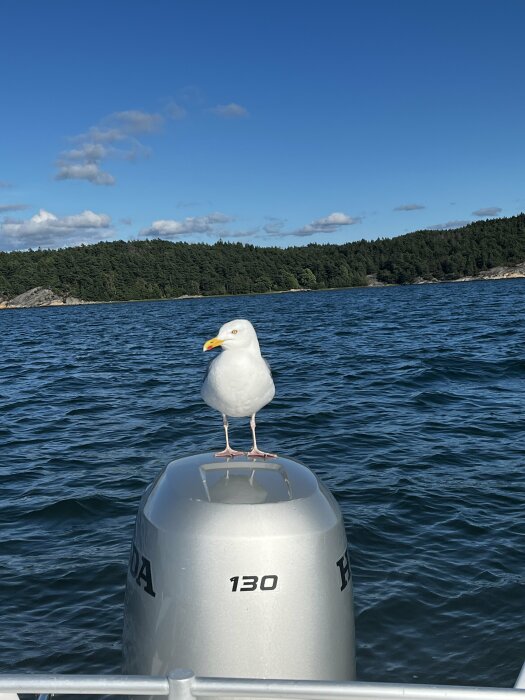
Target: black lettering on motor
{"points": [[145, 575], [344, 570], [140, 569], [268, 583], [251, 583], [134, 561]]}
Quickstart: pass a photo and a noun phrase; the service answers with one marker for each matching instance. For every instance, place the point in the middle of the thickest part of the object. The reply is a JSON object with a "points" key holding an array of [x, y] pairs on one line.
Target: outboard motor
{"points": [[239, 569]]}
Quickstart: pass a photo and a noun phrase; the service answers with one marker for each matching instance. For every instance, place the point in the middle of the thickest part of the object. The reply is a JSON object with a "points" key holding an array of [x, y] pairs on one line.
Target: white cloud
{"points": [[84, 171], [458, 223], [134, 121], [488, 211], [409, 207], [191, 225], [275, 225], [121, 126], [327, 224], [230, 111], [83, 162], [12, 207], [101, 134], [46, 230], [175, 111], [91, 152], [249, 233]]}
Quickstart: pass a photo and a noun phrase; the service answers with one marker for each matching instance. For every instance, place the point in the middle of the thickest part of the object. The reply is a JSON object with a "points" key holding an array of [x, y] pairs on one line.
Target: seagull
{"points": [[239, 381]]}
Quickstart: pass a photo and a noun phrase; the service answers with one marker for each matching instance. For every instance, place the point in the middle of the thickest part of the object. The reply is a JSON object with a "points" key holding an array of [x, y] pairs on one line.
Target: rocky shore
{"points": [[39, 296], [498, 273], [495, 273]]}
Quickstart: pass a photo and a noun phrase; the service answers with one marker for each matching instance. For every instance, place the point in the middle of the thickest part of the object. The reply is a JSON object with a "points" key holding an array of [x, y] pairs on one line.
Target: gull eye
{"points": [[235, 331]]}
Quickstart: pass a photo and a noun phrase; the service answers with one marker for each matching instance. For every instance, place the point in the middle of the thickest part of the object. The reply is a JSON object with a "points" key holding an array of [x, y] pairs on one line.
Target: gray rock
{"points": [[372, 281], [39, 296]]}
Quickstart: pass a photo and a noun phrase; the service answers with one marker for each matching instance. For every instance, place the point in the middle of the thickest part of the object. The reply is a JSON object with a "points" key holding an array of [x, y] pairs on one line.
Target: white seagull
{"points": [[239, 381]]}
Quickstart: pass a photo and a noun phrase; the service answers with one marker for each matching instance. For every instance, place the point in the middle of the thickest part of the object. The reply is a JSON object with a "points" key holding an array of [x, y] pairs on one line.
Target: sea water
{"points": [[408, 402]]}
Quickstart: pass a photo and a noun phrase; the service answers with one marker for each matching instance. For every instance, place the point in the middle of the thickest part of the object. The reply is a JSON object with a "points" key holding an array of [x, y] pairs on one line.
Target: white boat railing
{"points": [[184, 685]]}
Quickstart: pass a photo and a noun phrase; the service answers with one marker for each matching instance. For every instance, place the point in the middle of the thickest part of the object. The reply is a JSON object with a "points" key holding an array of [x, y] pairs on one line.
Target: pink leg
{"points": [[227, 452], [255, 451]]}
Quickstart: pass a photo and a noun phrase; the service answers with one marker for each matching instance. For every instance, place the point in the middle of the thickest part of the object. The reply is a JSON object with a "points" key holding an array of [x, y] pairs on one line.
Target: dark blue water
{"points": [[408, 402]]}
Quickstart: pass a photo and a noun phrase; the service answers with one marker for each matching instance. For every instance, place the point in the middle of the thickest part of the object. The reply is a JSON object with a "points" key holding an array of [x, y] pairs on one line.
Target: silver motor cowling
{"points": [[239, 568]]}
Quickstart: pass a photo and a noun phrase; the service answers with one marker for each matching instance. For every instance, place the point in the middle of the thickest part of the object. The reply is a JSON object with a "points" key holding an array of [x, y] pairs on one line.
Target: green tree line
{"points": [[156, 269]]}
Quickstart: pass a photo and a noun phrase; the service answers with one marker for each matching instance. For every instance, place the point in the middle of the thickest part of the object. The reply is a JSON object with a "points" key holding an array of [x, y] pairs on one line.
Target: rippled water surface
{"points": [[407, 401]]}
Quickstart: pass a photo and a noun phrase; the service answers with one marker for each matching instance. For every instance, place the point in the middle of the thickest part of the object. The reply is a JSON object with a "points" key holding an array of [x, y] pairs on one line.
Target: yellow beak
{"points": [[212, 343]]}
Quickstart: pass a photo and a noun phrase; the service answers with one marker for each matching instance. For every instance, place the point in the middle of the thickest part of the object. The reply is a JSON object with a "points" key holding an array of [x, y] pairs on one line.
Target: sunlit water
{"points": [[407, 401]]}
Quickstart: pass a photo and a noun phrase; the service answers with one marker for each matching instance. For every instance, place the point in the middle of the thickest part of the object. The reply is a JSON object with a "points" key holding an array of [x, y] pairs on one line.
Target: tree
{"points": [[307, 279]]}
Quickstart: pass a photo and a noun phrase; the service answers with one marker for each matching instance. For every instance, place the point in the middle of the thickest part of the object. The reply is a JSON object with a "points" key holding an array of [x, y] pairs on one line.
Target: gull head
{"points": [[234, 335]]}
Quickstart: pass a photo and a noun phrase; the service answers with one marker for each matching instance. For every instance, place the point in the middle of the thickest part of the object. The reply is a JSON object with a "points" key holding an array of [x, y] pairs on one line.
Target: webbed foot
{"points": [[228, 452], [255, 452]]}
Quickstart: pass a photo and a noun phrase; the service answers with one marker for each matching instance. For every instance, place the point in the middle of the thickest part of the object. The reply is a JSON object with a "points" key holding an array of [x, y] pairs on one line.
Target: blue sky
{"points": [[273, 123]]}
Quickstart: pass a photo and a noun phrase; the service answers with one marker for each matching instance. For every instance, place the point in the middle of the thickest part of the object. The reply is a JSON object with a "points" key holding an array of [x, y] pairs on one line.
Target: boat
{"points": [[239, 571]]}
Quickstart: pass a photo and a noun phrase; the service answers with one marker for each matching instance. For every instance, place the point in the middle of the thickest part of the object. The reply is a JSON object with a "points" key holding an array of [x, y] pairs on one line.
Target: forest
{"points": [[157, 269]]}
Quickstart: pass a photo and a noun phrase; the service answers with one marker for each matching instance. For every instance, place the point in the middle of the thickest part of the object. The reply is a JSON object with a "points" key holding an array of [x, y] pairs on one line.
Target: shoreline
{"points": [[497, 273]]}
